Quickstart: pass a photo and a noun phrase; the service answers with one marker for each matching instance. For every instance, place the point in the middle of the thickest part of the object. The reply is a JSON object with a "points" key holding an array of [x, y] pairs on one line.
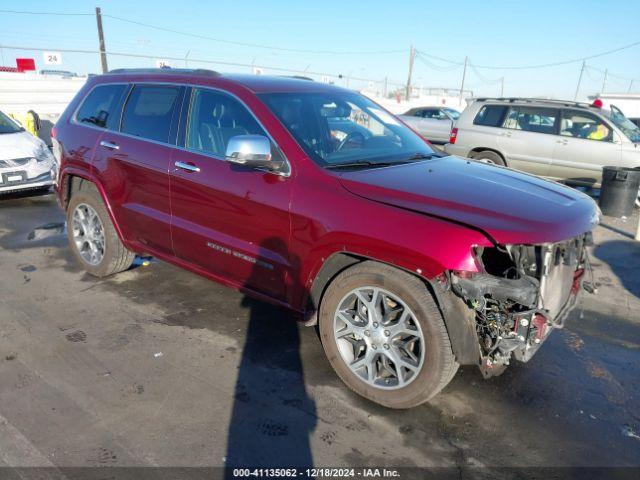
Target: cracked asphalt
{"points": [[159, 367]]}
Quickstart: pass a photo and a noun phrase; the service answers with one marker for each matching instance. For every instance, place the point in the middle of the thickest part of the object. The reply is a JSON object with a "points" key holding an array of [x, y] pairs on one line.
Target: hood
{"points": [[508, 206], [19, 145]]}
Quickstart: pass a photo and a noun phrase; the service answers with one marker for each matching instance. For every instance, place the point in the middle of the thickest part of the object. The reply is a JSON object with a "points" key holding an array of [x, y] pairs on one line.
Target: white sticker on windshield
{"points": [[384, 116]]}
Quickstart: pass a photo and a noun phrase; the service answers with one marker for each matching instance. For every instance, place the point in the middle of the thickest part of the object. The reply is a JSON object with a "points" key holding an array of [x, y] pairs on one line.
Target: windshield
{"points": [[629, 128], [7, 125], [454, 114], [336, 128]]}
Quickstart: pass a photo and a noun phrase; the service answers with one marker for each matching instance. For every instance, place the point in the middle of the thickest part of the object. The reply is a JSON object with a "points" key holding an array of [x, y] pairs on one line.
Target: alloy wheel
{"points": [[88, 234], [379, 338]]}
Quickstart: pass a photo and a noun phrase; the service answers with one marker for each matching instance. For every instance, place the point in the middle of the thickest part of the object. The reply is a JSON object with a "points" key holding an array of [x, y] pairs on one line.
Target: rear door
{"points": [[586, 143], [528, 138], [133, 164], [229, 220], [99, 111]]}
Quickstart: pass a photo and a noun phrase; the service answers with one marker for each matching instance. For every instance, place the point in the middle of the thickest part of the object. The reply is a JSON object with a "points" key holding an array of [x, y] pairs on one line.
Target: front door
{"points": [[229, 220], [585, 145]]}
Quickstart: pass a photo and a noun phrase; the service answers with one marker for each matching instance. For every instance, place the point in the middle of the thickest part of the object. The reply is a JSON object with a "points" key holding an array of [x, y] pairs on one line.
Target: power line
{"points": [[419, 53], [252, 45], [482, 77], [565, 62], [435, 57], [542, 65], [433, 66], [59, 14], [197, 60], [215, 39]]}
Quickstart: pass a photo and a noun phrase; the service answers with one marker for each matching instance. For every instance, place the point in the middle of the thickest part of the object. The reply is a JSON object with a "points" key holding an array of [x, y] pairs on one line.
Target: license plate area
{"points": [[13, 178]]}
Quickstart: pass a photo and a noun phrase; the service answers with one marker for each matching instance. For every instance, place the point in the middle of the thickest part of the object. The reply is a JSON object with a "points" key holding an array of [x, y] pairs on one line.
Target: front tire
{"points": [[384, 335], [92, 237], [489, 157]]}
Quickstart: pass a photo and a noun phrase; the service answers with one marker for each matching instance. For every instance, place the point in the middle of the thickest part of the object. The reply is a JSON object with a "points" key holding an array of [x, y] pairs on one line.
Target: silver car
{"points": [[433, 123], [565, 141]]}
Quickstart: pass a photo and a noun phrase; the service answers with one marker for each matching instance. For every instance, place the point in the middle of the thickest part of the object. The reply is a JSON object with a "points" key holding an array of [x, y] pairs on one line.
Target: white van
{"points": [[25, 161]]}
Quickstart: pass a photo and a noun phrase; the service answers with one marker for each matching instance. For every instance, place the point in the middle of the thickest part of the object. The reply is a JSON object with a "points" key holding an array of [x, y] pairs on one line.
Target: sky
{"points": [[355, 39]]}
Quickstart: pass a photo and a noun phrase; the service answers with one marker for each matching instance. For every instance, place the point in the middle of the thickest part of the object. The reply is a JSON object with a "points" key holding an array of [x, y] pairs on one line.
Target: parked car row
{"points": [[313, 197]]}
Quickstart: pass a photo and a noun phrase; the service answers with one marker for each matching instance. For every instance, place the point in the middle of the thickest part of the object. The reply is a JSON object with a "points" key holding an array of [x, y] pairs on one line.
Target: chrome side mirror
{"points": [[252, 151]]}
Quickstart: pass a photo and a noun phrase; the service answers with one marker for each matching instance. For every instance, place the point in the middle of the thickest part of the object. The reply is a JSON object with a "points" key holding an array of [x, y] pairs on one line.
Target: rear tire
{"points": [[98, 249], [488, 156], [398, 291]]}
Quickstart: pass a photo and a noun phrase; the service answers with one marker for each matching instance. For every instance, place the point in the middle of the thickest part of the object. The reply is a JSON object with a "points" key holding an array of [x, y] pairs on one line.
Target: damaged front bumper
{"points": [[520, 294]]}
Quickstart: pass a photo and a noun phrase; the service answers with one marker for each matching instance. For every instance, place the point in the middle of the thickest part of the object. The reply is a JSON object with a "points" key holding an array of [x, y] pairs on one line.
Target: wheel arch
{"points": [[458, 318], [72, 181], [487, 149]]}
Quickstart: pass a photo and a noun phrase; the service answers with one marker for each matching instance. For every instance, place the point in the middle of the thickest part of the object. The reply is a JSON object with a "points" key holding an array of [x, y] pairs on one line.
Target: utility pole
{"points": [[604, 82], [630, 87], [575, 97], [103, 54], [412, 56], [502, 87], [464, 76]]}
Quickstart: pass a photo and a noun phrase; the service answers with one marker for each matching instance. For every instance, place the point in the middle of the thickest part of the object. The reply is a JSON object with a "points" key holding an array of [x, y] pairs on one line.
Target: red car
{"points": [[315, 198]]}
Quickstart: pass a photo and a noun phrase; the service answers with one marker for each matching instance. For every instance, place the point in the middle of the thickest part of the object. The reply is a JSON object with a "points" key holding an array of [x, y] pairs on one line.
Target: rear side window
{"points": [[149, 111], [532, 119], [99, 106], [490, 116]]}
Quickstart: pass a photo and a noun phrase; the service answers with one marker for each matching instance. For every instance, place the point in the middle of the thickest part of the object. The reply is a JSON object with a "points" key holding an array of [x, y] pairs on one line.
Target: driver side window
{"points": [[435, 114], [578, 124], [214, 118]]}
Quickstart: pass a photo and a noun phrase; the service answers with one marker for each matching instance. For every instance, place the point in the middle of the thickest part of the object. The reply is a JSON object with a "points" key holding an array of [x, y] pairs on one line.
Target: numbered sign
{"points": [[52, 58]]}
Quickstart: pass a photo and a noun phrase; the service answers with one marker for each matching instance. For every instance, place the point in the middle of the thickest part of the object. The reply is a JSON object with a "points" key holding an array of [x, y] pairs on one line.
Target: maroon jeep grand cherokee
{"points": [[315, 198]]}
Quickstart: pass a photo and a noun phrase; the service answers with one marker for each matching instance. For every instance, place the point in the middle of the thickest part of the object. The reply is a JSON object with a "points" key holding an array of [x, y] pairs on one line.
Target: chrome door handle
{"points": [[109, 145], [187, 166]]}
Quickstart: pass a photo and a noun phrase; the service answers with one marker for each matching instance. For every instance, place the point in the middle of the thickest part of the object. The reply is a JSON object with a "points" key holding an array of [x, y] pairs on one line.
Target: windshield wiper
{"points": [[361, 164], [423, 156]]}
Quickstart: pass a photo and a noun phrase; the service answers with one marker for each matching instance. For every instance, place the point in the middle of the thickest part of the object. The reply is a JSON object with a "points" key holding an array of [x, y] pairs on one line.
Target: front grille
{"points": [[15, 162]]}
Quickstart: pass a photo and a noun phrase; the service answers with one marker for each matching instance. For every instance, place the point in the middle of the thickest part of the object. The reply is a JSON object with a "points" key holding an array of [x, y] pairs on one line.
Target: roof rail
{"points": [[568, 103], [298, 77], [166, 71]]}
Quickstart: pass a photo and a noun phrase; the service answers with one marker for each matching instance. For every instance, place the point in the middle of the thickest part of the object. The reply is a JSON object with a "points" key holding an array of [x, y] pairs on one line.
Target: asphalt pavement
{"points": [[159, 367]]}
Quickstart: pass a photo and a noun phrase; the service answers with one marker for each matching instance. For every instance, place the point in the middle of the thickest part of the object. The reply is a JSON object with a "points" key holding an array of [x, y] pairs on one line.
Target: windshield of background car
{"points": [[454, 114], [337, 128], [7, 125], [629, 128]]}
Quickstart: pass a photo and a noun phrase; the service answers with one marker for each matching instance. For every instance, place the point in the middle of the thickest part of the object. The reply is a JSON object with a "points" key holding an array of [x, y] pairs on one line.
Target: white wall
{"points": [[47, 95], [629, 103]]}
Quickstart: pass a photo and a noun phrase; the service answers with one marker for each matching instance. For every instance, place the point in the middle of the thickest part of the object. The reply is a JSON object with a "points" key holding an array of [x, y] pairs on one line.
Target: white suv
{"points": [[562, 140]]}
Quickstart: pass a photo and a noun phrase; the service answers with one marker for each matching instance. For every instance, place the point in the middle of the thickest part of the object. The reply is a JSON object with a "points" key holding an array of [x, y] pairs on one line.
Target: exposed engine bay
{"points": [[521, 293]]}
